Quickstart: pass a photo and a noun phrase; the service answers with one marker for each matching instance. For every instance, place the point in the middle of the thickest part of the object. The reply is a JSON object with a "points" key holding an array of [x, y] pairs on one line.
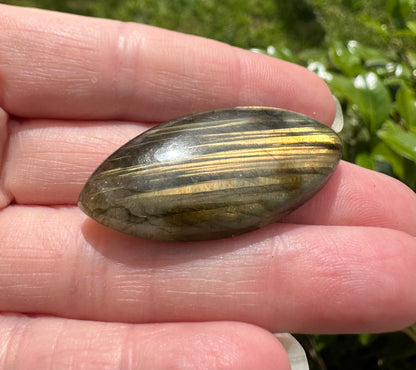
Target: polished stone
{"points": [[212, 175]]}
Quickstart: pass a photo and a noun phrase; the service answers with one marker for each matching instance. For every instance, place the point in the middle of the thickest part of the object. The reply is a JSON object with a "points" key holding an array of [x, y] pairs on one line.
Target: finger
{"points": [[360, 197], [64, 66], [50, 343], [285, 278], [5, 197], [48, 162]]}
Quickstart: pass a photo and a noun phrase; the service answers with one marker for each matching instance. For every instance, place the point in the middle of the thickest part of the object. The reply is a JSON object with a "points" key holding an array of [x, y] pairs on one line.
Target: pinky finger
{"points": [[56, 343]]}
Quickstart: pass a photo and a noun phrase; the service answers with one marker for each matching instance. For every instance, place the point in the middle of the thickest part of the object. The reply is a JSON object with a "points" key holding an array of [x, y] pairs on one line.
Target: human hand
{"points": [[75, 294]]}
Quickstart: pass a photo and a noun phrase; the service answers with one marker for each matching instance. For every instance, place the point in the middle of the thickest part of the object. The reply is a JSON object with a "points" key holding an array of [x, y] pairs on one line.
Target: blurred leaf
{"points": [[402, 7], [375, 162], [366, 339], [345, 59], [342, 84], [406, 106], [365, 160], [365, 52], [373, 100], [392, 72], [280, 53], [382, 152], [370, 96], [406, 32], [402, 142], [391, 6], [406, 7], [399, 10], [411, 25], [313, 55], [320, 69], [380, 28]]}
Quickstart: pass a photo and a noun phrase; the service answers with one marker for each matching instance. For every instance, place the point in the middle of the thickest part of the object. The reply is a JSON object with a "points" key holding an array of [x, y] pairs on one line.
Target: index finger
{"points": [[55, 65]]}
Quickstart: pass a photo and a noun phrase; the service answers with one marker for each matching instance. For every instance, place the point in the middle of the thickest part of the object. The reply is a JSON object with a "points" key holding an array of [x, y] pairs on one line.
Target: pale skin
{"points": [[74, 294]]}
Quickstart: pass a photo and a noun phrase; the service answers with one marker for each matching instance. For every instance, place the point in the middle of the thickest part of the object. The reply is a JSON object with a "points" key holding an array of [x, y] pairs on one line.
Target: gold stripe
{"points": [[191, 126], [215, 185], [197, 126], [232, 157], [276, 140]]}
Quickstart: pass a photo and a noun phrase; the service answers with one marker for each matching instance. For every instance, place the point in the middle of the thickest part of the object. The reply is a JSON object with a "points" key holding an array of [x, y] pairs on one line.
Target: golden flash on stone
{"points": [[212, 175]]}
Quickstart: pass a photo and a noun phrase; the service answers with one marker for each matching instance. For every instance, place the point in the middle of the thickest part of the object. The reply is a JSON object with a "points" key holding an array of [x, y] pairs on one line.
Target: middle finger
{"points": [[49, 161]]}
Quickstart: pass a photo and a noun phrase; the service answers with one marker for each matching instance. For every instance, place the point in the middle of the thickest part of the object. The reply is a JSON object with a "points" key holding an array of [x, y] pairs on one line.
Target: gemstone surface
{"points": [[212, 175]]}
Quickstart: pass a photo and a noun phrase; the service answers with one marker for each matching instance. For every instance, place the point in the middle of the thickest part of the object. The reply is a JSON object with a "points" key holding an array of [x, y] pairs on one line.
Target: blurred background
{"points": [[365, 51]]}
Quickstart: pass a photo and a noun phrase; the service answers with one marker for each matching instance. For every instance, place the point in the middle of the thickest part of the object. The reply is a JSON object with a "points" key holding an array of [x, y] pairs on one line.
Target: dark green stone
{"points": [[212, 175]]}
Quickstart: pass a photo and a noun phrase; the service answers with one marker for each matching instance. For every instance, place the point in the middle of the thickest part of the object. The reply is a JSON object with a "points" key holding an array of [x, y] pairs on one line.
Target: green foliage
{"points": [[352, 19], [368, 94], [406, 107], [365, 51], [399, 11], [376, 87], [245, 23], [300, 23], [377, 91], [366, 351]]}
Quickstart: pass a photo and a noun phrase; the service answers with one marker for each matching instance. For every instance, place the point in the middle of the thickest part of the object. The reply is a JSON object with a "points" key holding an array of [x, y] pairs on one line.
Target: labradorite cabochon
{"points": [[212, 175]]}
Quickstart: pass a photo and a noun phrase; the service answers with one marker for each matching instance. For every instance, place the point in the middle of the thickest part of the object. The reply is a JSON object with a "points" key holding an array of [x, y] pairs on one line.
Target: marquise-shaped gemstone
{"points": [[212, 175]]}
